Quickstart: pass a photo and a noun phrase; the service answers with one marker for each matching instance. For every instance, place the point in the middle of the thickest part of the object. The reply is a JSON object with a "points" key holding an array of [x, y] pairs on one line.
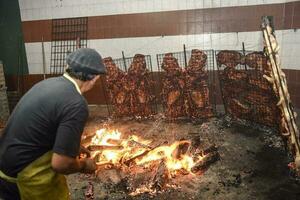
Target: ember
{"points": [[111, 150]]}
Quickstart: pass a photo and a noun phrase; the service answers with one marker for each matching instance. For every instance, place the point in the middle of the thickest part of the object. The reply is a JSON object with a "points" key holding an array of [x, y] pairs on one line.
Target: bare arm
{"points": [[68, 165]]}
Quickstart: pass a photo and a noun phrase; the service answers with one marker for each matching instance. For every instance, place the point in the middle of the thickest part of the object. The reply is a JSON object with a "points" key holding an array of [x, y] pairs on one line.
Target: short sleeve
{"points": [[68, 135]]}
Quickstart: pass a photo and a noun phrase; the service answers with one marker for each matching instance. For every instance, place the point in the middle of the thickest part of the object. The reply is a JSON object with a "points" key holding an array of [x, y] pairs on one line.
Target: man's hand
{"points": [[85, 151], [89, 166], [68, 165]]}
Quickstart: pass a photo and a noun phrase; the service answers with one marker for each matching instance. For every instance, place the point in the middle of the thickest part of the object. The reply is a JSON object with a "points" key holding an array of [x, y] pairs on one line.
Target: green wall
{"points": [[12, 48]]}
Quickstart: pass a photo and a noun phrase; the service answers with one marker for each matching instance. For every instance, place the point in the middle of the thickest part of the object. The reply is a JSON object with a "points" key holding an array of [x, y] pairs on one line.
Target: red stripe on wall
{"points": [[183, 22]]}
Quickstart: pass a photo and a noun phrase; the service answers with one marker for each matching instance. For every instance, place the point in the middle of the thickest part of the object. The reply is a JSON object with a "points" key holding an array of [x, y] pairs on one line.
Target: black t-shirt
{"points": [[50, 116]]}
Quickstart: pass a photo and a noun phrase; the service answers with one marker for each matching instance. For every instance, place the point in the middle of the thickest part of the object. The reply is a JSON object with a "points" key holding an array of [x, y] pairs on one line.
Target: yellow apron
{"points": [[39, 181]]}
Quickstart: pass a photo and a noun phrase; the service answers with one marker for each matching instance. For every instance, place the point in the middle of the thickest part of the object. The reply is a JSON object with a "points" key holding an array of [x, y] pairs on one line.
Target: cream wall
{"points": [[53, 9], [289, 41]]}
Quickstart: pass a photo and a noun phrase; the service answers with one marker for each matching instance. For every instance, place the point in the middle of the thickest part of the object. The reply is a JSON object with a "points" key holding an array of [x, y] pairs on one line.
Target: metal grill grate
{"points": [[183, 60], [67, 35], [246, 93], [124, 64]]}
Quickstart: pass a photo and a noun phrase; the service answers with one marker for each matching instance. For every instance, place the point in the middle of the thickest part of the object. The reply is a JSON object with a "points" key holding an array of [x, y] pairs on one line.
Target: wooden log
{"points": [[130, 143], [138, 144], [207, 160], [132, 160], [210, 149], [103, 147], [161, 176], [181, 149]]}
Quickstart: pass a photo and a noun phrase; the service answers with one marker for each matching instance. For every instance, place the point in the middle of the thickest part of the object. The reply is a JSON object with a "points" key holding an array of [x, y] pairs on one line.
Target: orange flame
{"points": [[134, 146]]}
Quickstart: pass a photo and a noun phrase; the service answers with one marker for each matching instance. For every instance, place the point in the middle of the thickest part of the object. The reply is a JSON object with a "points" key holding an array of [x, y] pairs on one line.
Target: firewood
{"points": [[161, 176], [132, 160], [207, 160], [138, 144], [210, 149], [103, 147], [181, 149], [130, 143]]}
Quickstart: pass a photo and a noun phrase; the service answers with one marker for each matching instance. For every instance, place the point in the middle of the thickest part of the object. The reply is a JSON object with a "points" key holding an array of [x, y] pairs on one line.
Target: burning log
{"points": [[103, 147], [161, 176], [132, 160], [181, 149], [207, 160], [129, 143], [136, 157], [210, 149]]}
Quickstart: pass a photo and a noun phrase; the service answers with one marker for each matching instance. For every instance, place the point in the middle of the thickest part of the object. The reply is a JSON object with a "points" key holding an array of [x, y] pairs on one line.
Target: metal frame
{"points": [[257, 109], [67, 35], [183, 57], [124, 64]]}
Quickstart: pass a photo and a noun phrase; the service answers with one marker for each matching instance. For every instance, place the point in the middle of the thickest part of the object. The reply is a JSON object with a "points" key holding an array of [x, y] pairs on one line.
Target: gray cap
{"points": [[87, 61]]}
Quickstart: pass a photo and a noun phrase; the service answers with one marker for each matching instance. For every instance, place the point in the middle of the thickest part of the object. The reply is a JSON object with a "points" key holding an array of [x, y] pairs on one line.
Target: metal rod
{"points": [[185, 59], [221, 86], [214, 81], [124, 60], [44, 60], [244, 53]]}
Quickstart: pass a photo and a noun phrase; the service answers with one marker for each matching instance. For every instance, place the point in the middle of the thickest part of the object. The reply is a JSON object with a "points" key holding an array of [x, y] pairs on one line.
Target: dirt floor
{"points": [[253, 162]]}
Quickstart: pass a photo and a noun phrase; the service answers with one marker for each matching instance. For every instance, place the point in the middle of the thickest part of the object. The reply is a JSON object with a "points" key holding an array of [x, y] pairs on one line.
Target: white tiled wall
{"points": [[289, 41], [52, 9]]}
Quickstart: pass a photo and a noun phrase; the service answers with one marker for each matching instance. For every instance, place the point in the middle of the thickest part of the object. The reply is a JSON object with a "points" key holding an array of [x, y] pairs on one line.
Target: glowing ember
{"points": [[138, 151], [136, 156]]}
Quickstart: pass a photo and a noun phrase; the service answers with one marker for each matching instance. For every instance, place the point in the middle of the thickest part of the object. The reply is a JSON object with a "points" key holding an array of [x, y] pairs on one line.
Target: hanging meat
{"points": [[115, 80], [197, 91], [130, 93], [173, 88], [229, 58], [247, 94], [139, 88]]}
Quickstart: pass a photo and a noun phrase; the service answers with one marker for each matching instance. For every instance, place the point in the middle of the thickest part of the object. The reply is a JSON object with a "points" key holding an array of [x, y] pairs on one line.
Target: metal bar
{"points": [[221, 87], [185, 59], [243, 44], [44, 59], [124, 60], [214, 82]]}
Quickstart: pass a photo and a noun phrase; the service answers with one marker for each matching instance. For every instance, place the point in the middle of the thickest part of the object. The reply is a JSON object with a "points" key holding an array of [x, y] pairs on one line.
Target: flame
{"points": [[133, 146]]}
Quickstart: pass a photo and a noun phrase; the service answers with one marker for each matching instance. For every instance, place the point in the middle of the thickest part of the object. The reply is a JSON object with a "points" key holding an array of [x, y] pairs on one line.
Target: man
{"points": [[41, 141]]}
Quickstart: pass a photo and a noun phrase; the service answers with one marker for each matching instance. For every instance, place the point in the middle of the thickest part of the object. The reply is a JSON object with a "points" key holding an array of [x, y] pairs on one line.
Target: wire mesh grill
{"points": [[67, 35], [246, 93], [183, 59], [124, 64]]}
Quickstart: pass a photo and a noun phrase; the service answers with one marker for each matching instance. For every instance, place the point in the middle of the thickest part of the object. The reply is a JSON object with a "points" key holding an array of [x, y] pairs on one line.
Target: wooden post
{"points": [[278, 80]]}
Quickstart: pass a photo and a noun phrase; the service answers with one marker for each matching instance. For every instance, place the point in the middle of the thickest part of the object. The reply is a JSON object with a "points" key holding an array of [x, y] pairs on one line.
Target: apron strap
{"points": [[7, 178]]}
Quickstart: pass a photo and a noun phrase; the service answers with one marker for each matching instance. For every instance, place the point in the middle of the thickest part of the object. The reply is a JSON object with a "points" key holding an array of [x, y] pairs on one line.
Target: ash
{"points": [[253, 162]]}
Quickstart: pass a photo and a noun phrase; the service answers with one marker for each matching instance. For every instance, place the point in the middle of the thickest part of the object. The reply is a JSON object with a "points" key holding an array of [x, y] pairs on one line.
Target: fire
{"points": [[120, 151]]}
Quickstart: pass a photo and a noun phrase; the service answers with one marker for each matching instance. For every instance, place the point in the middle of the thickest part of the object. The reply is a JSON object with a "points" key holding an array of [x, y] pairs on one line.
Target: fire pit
{"points": [[155, 163], [252, 165]]}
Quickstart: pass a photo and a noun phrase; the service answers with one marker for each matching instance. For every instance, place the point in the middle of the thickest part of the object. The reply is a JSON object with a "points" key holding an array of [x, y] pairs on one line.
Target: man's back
{"points": [[47, 115]]}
